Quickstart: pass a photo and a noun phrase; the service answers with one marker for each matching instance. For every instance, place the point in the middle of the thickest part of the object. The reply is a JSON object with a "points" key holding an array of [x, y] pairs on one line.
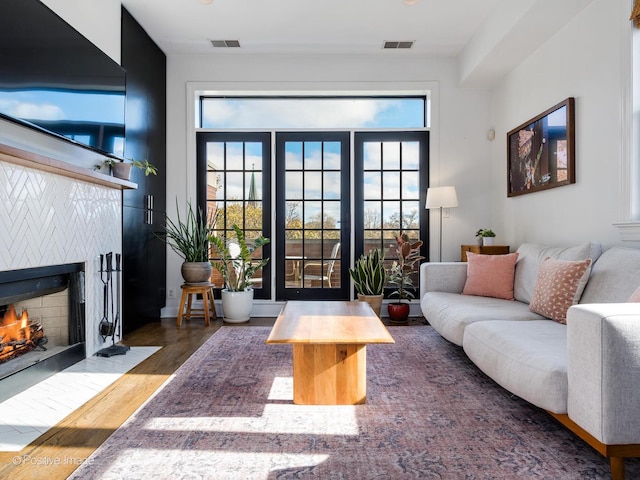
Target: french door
{"points": [[313, 215]]}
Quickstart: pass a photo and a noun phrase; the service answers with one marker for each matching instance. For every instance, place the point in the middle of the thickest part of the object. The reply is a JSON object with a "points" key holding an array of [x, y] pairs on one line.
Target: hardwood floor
{"points": [[58, 452]]}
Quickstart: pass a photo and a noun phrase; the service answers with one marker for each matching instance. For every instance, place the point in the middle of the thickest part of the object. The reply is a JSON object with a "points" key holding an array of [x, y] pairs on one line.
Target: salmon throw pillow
{"points": [[635, 296], [490, 275], [559, 286]]}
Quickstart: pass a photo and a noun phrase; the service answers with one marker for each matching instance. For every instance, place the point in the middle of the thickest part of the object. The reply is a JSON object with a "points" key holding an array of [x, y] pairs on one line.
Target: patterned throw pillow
{"points": [[559, 286], [490, 275]]}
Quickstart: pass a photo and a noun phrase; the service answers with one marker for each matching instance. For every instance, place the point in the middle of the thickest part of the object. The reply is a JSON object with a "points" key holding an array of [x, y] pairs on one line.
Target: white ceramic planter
{"points": [[237, 306], [488, 241]]}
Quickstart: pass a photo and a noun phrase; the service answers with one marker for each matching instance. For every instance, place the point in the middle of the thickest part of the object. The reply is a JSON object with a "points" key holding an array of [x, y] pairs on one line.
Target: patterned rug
{"points": [[227, 413]]}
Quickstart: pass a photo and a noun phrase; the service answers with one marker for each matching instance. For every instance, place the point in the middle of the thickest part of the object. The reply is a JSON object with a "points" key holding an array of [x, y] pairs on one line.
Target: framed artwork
{"points": [[541, 152]]}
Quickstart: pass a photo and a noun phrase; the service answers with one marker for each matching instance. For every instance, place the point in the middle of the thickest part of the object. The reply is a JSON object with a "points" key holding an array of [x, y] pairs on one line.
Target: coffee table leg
{"points": [[329, 374]]}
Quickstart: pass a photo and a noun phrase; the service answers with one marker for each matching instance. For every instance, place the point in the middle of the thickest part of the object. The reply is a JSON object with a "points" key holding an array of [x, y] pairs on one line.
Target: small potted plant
{"points": [[400, 275], [190, 240], [369, 278], [485, 236], [122, 169], [237, 266]]}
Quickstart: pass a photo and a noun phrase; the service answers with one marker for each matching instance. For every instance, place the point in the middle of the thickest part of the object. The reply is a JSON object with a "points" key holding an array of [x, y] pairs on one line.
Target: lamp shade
{"points": [[441, 197]]}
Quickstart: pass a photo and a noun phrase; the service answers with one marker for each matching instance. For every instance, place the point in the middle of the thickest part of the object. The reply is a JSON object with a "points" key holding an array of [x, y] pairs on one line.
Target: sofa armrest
{"points": [[603, 370], [442, 277]]}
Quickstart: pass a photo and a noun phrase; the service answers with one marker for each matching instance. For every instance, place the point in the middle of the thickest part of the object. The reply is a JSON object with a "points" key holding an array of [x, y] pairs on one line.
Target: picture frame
{"points": [[541, 151]]}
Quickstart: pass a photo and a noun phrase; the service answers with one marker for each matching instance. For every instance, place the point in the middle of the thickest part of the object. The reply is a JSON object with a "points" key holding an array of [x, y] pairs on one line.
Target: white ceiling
{"points": [[486, 29], [439, 27]]}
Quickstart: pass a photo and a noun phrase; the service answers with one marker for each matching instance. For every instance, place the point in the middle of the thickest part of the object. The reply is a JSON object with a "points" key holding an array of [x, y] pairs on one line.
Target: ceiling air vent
{"points": [[407, 44], [225, 43]]}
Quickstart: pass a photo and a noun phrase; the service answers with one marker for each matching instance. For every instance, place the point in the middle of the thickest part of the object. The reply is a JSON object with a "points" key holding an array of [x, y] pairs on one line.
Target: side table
{"points": [[489, 250]]}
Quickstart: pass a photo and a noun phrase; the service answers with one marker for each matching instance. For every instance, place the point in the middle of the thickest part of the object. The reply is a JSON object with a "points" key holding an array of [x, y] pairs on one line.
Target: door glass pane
{"points": [[372, 153], [332, 155], [372, 185], [293, 155], [293, 182], [312, 155], [410, 155], [332, 185]]}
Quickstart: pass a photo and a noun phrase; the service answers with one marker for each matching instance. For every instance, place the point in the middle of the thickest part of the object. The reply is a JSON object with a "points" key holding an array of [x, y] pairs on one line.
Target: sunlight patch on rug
{"points": [[278, 419], [226, 466], [281, 389]]}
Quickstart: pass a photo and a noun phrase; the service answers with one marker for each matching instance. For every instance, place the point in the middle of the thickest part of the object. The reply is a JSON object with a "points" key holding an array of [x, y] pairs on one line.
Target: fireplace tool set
{"points": [[107, 327]]}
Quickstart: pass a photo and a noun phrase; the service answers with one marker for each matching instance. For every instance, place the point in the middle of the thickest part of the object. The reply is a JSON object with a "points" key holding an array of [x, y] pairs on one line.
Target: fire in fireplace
{"points": [[19, 335], [54, 296]]}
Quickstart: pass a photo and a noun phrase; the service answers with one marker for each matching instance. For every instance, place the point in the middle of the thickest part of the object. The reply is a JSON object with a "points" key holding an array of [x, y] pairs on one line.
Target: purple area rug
{"points": [[227, 413]]}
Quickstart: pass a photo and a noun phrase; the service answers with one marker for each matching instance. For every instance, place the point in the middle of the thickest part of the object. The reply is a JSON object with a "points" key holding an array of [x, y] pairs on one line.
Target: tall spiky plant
{"points": [[189, 238], [368, 273]]}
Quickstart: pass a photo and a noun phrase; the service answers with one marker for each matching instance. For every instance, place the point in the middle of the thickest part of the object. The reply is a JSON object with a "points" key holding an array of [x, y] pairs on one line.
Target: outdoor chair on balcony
{"points": [[325, 268]]}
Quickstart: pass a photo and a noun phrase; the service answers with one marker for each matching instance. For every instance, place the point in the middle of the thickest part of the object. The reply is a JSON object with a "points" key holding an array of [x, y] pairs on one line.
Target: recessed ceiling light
{"points": [[206, 2], [410, 2]]}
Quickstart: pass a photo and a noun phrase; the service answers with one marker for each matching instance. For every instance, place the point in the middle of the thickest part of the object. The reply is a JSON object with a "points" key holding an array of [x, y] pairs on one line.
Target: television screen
{"points": [[53, 79]]}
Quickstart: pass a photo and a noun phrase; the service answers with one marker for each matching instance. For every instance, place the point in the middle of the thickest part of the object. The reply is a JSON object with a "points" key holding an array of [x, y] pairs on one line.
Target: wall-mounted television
{"points": [[55, 80]]}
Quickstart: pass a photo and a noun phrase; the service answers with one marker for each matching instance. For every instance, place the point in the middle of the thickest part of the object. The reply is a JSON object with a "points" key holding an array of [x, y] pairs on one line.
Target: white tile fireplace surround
{"points": [[50, 218]]}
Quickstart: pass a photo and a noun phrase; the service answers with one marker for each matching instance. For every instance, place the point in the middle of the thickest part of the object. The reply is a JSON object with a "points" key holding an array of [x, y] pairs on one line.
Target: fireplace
{"points": [[54, 297]]}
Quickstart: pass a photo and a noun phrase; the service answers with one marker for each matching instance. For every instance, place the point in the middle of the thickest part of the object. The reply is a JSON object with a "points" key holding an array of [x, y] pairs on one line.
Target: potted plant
{"points": [[485, 236], [122, 169], [190, 240], [400, 275], [237, 267], [369, 278]]}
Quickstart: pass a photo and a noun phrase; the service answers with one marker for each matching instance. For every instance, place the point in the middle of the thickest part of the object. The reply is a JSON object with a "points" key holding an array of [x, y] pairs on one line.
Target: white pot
{"points": [[488, 241], [237, 306]]}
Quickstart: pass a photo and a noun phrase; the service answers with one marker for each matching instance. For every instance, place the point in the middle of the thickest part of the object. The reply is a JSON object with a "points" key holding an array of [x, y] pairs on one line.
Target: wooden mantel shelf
{"points": [[33, 160]]}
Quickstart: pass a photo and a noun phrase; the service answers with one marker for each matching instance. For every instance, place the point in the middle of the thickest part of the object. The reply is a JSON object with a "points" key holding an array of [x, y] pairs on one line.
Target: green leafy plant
{"points": [[368, 273], [143, 165], [485, 232], [189, 238], [402, 269], [236, 263]]}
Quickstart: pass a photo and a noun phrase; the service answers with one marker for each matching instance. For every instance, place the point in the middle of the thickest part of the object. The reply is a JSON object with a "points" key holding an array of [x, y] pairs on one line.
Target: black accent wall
{"points": [[144, 255]]}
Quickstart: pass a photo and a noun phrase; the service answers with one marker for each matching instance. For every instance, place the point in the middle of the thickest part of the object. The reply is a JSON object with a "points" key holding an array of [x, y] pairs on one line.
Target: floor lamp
{"points": [[441, 197]]}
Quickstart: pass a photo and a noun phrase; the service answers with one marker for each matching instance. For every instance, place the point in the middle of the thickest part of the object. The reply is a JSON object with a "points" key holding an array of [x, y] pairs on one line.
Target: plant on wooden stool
{"points": [[189, 238]]}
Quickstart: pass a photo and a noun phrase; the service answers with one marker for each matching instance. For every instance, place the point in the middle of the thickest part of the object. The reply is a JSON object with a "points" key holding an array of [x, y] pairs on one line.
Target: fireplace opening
{"points": [[42, 324]]}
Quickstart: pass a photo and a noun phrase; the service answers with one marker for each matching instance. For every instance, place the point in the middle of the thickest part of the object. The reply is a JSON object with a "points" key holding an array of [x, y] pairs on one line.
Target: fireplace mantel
{"points": [[40, 162]]}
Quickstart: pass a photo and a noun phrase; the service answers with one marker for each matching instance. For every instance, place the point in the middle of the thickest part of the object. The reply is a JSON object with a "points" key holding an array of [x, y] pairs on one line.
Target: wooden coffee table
{"points": [[329, 349]]}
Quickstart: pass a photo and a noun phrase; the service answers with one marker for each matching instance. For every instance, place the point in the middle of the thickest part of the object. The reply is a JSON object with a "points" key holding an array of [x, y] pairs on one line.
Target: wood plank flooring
{"points": [[57, 453]]}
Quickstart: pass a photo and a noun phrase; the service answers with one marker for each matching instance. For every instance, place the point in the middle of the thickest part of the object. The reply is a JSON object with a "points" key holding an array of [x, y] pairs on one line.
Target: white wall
{"points": [[583, 60], [460, 153]]}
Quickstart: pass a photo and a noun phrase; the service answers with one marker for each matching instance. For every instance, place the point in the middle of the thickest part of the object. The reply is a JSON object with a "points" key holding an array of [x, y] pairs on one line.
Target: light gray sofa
{"points": [[586, 373]]}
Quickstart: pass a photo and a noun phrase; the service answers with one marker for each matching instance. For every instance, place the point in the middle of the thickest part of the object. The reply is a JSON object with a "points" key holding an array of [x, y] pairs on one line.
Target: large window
{"points": [[312, 165]]}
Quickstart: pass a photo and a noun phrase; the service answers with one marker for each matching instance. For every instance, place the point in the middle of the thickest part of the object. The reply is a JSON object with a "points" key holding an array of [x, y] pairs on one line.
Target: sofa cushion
{"points": [[450, 313], [614, 276], [490, 275], [531, 255], [559, 286], [527, 358]]}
